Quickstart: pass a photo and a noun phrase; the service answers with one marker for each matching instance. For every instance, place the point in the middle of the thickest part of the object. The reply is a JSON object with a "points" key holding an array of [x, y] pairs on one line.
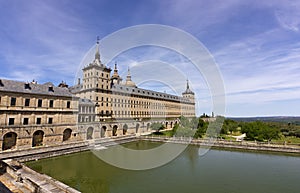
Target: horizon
{"points": [[255, 45]]}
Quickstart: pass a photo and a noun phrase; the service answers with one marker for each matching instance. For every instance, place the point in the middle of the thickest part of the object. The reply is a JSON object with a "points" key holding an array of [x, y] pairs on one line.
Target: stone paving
{"points": [[11, 186]]}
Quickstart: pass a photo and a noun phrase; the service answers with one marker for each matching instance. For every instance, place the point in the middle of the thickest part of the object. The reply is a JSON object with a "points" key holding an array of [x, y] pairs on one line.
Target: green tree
{"points": [[260, 131], [201, 128], [157, 127], [229, 126], [215, 127]]}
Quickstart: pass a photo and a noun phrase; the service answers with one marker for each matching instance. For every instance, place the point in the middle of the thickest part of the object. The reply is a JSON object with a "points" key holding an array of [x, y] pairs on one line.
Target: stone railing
{"points": [[226, 144]]}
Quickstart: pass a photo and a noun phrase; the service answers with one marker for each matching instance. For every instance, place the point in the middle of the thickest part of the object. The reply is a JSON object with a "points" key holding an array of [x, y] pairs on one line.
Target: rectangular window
{"points": [[50, 120], [51, 103], [40, 103], [68, 104], [25, 121], [11, 121], [38, 121], [27, 102], [13, 101]]}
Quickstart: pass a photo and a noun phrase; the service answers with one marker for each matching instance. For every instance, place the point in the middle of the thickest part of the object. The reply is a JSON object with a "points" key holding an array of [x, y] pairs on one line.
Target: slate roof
{"points": [[86, 102], [41, 89], [147, 93], [188, 91]]}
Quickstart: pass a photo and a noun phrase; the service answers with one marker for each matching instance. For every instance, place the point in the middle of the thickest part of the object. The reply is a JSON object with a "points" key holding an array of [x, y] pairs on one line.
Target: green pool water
{"points": [[218, 171]]}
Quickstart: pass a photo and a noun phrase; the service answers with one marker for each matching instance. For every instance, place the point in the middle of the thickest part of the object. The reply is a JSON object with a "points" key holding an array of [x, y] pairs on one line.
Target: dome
{"points": [[129, 82]]}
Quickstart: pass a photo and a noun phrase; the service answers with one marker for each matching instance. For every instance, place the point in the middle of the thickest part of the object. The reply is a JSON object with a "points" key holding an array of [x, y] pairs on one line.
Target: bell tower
{"points": [[188, 93], [96, 84]]}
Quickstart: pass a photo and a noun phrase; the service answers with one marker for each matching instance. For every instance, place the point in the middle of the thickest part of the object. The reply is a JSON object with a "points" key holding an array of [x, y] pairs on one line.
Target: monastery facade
{"points": [[101, 105]]}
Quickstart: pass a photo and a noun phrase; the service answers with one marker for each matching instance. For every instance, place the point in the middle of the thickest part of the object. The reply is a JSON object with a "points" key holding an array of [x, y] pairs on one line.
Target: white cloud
{"points": [[288, 15], [259, 70]]}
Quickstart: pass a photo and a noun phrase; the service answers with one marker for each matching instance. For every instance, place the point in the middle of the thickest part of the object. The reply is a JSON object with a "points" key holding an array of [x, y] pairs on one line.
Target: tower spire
{"points": [[128, 74], [97, 54], [129, 82], [116, 71], [187, 84], [188, 90]]}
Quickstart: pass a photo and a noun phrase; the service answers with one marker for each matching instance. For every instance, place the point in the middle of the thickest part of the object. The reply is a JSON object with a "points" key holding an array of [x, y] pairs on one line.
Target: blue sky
{"points": [[256, 44]]}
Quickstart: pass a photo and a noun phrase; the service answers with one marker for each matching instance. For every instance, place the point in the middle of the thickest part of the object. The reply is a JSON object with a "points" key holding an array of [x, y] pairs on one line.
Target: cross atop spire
{"points": [[98, 40], [116, 65], [187, 84], [97, 54], [128, 74]]}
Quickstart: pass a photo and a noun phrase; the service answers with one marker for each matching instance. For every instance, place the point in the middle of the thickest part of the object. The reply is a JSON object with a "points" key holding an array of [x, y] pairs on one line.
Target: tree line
{"points": [[256, 130]]}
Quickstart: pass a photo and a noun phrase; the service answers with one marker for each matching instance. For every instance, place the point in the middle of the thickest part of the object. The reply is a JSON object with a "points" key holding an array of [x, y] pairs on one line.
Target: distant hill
{"points": [[283, 119]]}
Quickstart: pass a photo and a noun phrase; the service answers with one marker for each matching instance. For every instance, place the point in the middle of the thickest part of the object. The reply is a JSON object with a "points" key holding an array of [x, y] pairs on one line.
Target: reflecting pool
{"points": [[218, 171]]}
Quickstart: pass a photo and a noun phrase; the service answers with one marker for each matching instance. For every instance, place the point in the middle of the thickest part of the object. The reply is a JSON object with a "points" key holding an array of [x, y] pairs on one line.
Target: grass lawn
{"points": [[288, 139]]}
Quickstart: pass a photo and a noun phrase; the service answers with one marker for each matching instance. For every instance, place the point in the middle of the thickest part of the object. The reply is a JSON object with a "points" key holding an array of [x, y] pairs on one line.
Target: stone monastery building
{"points": [[101, 105]]}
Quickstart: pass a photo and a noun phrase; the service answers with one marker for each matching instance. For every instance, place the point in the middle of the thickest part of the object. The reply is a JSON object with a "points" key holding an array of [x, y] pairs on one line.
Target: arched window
{"points": [[89, 133], [9, 140], [103, 130], [115, 128], [38, 137], [67, 134], [125, 128]]}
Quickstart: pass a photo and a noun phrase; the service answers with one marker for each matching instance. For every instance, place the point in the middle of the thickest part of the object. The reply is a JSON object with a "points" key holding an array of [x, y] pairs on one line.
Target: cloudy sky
{"points": [[256, 45]]}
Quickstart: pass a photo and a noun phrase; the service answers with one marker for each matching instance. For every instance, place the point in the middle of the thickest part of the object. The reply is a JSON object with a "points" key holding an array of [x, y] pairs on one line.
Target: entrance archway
{"points": [[38, 137], [166, 125], [89, 133], [67, 134], [137, 128], [125, 128], [9, 140], [148, 126], [103, 130], [115, 128]]}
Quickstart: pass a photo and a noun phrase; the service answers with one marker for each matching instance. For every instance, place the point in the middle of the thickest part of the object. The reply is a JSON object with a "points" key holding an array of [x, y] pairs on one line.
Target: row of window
{"points": [[84, 109], [88, 74], [91, 86], [86, 118], [13, 102], [133, 103], [152, 93], [11, 121], [138, 113], [90, 80]]}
